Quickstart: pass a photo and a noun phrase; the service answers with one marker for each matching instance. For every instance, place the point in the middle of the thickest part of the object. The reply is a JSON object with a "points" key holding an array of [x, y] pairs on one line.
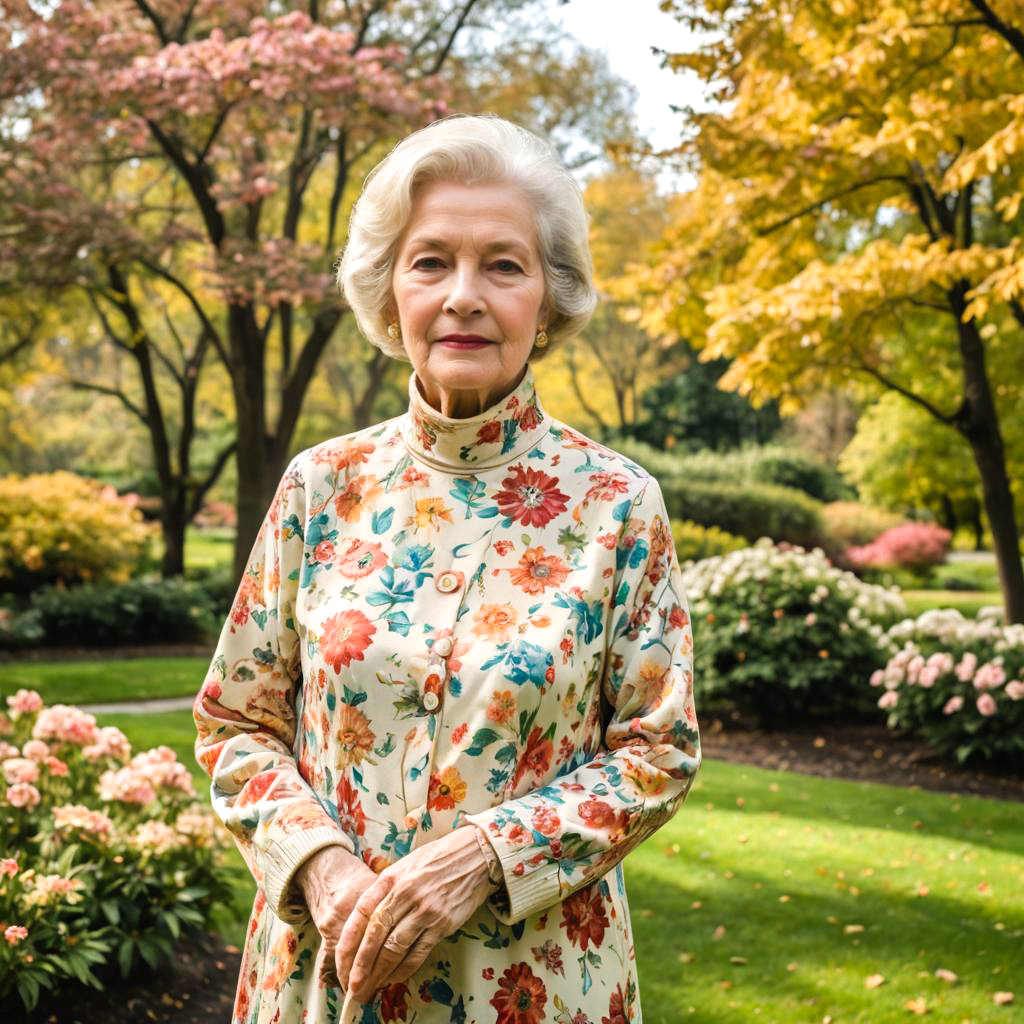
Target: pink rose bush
{"points": [[914, 546], [957, 682], [108, 857]]}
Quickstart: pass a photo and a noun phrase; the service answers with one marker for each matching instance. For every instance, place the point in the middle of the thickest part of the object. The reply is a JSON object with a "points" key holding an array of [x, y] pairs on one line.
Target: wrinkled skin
{"points": [[381, 928]]}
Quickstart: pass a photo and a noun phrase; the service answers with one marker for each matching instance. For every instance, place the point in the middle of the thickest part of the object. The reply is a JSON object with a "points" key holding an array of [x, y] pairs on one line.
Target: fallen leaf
{"points": [[740, 802], [852, 929], [647, 912], [922, 890], [725, 984], [819, 741], [983, 887], [918, 1005], [943, 975], [719, 932], [791, 967], [739, 961], [687, 958], [743, 839], [696, 905], [1003, 998], [232, 949], [783, 898], [874, 981]]}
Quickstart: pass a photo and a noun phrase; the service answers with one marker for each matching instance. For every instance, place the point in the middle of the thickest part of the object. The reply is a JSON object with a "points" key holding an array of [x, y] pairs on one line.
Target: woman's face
{"points": [[468, 263]]}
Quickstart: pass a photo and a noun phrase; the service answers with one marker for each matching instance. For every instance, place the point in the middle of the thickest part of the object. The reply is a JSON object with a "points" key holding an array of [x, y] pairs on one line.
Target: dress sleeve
{"points": [[246, 719], [564, 835]]}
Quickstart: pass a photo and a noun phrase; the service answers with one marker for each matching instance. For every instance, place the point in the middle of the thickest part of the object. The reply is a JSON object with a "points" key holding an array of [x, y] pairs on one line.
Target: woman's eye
{"points": [[426, 259], [508, 265]]}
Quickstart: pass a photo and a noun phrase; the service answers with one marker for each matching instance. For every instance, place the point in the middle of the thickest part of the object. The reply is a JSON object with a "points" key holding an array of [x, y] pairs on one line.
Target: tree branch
{"points": [[209, 480], [1012, 35], [84, 385], [828, 199]]}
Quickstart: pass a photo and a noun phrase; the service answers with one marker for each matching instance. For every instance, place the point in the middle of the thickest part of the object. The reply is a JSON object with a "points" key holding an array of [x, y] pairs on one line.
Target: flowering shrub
{"points": [[107, 857], [913, 546], [64, 528], [694, 541], [782, 634], [957, 682]]}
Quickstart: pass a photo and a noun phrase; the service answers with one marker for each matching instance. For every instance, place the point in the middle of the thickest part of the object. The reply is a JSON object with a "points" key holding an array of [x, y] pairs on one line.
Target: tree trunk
{"points": [[173, 521]]}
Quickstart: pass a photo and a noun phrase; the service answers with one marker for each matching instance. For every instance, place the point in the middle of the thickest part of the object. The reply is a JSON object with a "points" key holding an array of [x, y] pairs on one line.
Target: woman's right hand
{"points": [[332, 880]]}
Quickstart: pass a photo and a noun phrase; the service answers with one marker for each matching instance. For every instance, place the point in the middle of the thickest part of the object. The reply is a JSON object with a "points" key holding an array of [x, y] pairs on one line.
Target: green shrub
{"points": [[747, 510], [782, 635], [694, 542], [958, 683], [108, 858], [102, 614], [849, 524], [63, 528]]}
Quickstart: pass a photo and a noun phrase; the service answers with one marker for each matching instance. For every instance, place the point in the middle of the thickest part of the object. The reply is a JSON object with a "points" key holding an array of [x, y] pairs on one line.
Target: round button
{"points": [[430, 700], [443, 645], [447, 582]]}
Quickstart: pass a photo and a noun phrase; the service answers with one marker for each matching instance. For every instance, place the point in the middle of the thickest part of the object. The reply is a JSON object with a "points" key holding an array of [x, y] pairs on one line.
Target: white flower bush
{"points": [[105, 858], [957, 682], [782, 634]]}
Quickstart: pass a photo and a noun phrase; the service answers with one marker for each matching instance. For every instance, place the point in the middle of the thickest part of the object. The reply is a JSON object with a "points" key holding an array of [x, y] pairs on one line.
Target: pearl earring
{"points": [[542, 338], [394, 331]]}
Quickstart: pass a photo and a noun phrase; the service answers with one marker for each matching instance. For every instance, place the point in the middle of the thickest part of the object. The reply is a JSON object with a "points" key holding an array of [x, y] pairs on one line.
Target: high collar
{"points": [[504, 431]]}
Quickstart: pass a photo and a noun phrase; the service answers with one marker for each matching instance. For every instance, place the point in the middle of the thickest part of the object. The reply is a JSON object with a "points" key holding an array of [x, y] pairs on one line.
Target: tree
{"points": [[857, 215]]}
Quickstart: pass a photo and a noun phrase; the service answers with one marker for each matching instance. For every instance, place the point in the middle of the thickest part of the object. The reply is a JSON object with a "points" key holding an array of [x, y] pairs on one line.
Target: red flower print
{"points": [[597, 814], [255, 789], [584, 918], [394, 1002], [550, 954], [360, 559], [529, 418], [607, 486], [546, 820], [344, 637], [530, 496], [350, 810], [537, 571], [520, 997], [487, 973], [678, 618], [616, 1008], [324, 551], [503, 547], [490, 431], [459, 733], [535, 759]]}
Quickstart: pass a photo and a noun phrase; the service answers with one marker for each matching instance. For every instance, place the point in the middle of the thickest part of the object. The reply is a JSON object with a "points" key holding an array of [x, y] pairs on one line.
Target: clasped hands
{"points": [[379, 929]]}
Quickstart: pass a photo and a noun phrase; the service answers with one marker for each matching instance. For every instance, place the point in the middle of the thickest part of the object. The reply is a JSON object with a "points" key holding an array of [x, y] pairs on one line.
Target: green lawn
{"points": [[775, 896], [88, 682], [967, 602]]}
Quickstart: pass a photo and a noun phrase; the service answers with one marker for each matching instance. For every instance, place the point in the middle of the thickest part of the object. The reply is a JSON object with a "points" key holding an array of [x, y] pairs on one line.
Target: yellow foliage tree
{"points": [[857, 216]]}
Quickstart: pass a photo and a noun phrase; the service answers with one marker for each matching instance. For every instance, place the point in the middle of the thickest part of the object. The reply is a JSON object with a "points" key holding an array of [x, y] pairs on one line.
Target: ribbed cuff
{"points": [[282, 859], [523, 894]]}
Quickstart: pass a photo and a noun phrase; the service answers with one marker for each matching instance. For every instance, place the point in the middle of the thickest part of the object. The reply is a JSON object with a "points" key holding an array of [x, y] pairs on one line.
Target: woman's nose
{"points": [[464, 294]]}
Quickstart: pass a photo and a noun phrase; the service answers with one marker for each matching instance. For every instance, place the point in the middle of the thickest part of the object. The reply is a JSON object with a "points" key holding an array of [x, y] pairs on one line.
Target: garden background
{"points": [[815, 345]]}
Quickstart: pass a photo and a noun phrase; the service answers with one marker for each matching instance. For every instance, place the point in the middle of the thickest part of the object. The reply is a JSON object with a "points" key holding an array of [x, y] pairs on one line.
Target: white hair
{"points": [[469, 149]]}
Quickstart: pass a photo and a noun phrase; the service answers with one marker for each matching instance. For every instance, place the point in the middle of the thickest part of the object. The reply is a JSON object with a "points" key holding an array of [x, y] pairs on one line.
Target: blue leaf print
{"points": [[399, 622], [381, 521], [621, 511]]}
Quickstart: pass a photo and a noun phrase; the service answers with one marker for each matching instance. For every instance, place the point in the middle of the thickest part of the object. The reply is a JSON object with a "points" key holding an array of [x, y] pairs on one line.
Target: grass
{"points": [[89, 682], [775, 896], [967, 602], [783, 868]]}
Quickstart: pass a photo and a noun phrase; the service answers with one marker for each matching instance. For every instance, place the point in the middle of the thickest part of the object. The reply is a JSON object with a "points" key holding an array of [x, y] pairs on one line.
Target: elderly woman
{"points": [[455, 687]]}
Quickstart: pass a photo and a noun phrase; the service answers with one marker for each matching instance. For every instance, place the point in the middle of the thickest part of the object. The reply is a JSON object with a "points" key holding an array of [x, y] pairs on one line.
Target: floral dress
{"points": [[451, 623]]}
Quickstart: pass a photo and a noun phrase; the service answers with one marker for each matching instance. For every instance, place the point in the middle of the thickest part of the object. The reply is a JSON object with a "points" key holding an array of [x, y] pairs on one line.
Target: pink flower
{"points": [[928, 676], [23, 794], [25, 702], [35, 750], [968, 663], [986, 704], [81, 817], [20, 769], [66, 725], [1014, 689], [15, 933], [56, 766], [324, 551], [952, 705], [876, 677], [8, 750], [989, 676], [8, 866], [110, 742], [889, 699]]}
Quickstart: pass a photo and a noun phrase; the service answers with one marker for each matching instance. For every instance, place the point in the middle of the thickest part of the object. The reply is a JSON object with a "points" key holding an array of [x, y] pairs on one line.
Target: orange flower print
{"points": [[350, 810], [355, 738], [344, 454], [584, 917], [361, 491], [283, 959], [678, 617], [651, 678], [535, 759], [429, 514], [446, 790], [520, 997], [607, 486], [503, 547], [414, 476], [530, 497], [256, 788], [360, 559], [495, 622], [502, 707], [546, 820], [537, 571], [344, 637]]}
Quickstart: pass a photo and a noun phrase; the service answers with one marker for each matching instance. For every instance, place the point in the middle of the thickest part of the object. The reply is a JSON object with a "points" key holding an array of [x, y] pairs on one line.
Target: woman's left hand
{"points": [[412, 905]]}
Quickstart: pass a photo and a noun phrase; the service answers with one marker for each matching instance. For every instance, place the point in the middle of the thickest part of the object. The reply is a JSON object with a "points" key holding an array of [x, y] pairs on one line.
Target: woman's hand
{"points": [[410, 907], [332, 881]]}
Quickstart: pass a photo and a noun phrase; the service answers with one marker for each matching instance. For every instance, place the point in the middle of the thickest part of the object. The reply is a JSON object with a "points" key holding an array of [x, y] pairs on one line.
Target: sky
{"points": [[626, 40]]}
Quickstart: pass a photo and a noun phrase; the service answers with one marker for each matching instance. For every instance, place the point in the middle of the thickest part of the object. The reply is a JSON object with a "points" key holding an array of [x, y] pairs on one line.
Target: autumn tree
{"points": [[858, 213]]}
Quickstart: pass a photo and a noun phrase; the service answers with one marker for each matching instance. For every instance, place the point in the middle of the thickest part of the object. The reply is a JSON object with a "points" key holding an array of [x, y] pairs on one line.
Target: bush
{"points": [[958, 683], [916, 547], [102, 614], [747, 510], [781, 634], [849, 524], [694, 542], [108, 858], [63, 528]]}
